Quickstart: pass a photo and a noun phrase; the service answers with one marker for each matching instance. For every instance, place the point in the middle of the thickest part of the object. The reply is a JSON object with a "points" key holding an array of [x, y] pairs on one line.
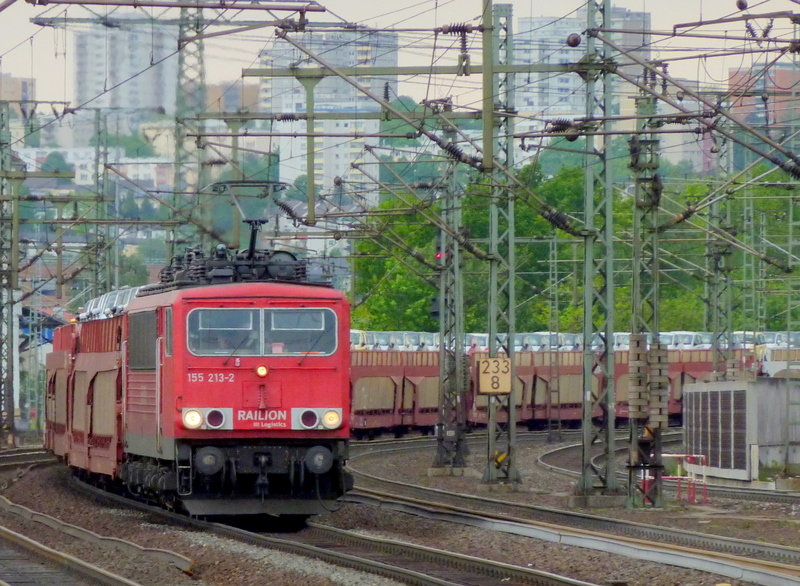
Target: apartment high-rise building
{"points": [[543, 40], [127, 68], [333, 154], [17, 89]]}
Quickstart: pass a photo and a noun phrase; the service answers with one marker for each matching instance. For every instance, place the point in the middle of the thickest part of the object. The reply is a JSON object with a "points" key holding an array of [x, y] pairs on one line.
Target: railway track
{"points": [[561, 454], [27, 562], [401, 561], [678, 547], [22, 457]]}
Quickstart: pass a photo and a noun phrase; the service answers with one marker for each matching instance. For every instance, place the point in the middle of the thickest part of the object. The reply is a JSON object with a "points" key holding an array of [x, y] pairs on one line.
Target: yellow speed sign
{"points": [[494, 376]]}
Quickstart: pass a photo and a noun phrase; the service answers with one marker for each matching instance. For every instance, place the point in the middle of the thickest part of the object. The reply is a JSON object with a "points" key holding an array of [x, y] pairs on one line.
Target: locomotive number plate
{"points": [[494, 376], [211, 377]]}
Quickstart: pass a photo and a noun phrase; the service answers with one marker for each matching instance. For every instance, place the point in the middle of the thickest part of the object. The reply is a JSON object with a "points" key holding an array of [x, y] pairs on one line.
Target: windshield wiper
{"points": [[244, 339], [314, 345]]}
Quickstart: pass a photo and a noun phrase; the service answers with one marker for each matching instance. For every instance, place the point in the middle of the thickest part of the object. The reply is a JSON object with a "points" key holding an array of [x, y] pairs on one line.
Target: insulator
{"points": [[460, 28], [741, 4], [560, 125], [767, 29], [285, 207], [751, 29], [557, 219], [454, 151], [791, 168], [167, 274], [386, 92], [197, 270], [286, 117]]}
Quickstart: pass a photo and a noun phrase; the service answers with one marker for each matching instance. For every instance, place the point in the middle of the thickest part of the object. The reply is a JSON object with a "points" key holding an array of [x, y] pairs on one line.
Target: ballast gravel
{"points": [[224, 562], [218, 561]]}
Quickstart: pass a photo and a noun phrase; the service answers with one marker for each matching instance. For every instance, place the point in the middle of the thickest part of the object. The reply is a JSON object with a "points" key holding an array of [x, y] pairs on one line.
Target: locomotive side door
{"points": [[164, 375], [143, 384]]}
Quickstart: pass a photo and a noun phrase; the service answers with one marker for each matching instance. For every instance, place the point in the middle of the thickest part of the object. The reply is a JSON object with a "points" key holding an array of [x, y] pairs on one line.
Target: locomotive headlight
{"points": [[331, 419], [262, 371], [192, 419]]}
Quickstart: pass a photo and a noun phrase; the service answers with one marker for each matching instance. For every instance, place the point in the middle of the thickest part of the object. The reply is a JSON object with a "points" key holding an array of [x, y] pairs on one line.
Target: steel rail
{"points": [[471, 503], [22, 457], [378, 547], [751, 494], [181, 562], [63, 561], [761, 572], [464, 563]]}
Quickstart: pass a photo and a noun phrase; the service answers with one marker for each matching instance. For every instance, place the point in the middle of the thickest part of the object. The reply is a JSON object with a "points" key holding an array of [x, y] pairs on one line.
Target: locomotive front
{"points": [[252, 380]]}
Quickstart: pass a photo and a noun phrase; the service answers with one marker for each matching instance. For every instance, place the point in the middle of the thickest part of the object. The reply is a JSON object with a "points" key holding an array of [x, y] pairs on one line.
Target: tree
{"points": [[392, 294], [128, 208], [147, 211], [152, 252], [299, 189], [135, 146], [132, 270], [56, 162], [404, 104]]}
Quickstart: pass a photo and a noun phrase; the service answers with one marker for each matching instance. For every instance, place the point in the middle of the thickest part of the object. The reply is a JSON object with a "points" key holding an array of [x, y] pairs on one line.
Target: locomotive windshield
{"points": [[261, 332]]}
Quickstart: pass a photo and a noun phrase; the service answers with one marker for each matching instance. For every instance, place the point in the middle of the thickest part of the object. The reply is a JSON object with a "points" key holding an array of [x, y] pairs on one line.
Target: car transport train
{"points": [[222, 390]]}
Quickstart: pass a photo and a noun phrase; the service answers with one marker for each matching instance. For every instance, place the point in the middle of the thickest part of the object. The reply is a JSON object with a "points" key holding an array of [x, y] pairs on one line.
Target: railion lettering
{"points": [[259, 415]]}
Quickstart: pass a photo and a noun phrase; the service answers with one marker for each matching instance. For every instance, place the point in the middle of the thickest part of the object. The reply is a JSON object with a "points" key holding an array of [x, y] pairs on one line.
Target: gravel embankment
{"points": [[226, 562], [767, 522], [219, 562]]}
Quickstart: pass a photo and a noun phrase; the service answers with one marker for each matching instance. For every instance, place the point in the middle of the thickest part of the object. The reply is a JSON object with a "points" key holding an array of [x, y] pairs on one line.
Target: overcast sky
{"points": [[46, 54]]}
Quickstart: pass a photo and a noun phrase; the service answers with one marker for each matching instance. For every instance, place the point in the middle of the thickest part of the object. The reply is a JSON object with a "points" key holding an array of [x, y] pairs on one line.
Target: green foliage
{"points": [[132, 270], [152, 252], [56, 162], [392, 294], [771, 471], [403, 104], [128, 208], [299, 190], [136, 147]]}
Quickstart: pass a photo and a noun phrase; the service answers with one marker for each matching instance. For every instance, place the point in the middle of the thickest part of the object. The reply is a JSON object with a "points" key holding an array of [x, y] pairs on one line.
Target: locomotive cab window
{"points": [[300, 331], [226, 332], [261, 332]]}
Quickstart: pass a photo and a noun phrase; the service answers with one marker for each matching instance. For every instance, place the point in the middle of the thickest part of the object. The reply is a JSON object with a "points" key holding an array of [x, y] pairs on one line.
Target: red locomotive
{"points": [[222, 390]]}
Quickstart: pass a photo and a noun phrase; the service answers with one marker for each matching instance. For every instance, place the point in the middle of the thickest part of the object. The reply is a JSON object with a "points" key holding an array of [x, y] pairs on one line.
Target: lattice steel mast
{"points": [[720, 284], [451, 447], [8, 277], [598, 269], [498, 130], [648, 394], [190, 100]]}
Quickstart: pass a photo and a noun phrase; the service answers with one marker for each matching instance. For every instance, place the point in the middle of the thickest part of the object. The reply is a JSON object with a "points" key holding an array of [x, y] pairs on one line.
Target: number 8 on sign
{"points": [[494, 376]]}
